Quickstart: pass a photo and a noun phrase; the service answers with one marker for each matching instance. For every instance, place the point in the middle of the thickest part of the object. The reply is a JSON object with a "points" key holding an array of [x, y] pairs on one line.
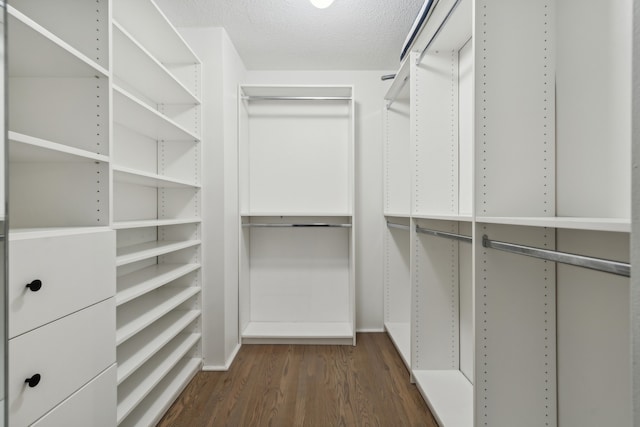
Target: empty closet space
{"points": [[296, 202]]}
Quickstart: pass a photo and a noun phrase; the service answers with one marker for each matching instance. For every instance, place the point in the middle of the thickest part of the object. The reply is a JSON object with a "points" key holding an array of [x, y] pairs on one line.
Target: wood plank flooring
{"points": [[305, 385]]}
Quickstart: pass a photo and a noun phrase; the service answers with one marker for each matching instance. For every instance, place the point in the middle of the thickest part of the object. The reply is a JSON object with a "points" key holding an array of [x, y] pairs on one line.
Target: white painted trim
{"points": [[226, 366], [370, 330]]}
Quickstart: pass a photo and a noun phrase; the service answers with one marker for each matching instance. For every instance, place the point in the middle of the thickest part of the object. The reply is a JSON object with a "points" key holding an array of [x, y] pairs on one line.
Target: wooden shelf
{"points": [[135, 352], [25, 148], [134, 114], [36, 52], [449, 394], [139, 314], [621, 225], [140, 282], [134, 253], [142, 382], [135, 66], [400, 334], [121, 225], [151, 409], [146, 179], [157, 35]]}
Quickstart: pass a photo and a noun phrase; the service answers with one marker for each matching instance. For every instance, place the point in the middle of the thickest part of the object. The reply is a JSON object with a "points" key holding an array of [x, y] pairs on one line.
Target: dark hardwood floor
{"points": [[305, 385]]}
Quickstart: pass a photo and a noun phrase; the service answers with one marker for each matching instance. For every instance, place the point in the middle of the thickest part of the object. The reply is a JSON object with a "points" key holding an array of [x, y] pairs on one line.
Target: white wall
{"points": [[222, 71], [369, 92]]}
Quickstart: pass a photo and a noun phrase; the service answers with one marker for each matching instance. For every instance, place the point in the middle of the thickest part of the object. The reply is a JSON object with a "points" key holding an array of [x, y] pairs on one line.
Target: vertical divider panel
{"points": [[515, 330], [515, 108]]}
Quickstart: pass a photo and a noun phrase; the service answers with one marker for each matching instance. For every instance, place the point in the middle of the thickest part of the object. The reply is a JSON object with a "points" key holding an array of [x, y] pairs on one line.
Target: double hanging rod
{"points": [[599, 264]]}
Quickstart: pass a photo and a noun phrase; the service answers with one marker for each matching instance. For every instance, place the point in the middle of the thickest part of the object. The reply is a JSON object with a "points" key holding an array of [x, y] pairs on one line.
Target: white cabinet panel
{"points": [[66, 354], [75, 271]]}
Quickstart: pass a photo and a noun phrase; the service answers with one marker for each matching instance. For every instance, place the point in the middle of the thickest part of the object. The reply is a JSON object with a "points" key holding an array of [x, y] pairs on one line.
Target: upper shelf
{"points": [[134, 114], [25, 148], [156, 33], [36, 52], [297, 91], [620, 225], [400, 87], [135, 66]]}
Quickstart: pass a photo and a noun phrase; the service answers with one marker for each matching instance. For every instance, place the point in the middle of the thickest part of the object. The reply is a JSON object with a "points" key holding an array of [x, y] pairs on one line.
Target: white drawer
{"points": [[93, 405], [67, 354], [75, 270]]}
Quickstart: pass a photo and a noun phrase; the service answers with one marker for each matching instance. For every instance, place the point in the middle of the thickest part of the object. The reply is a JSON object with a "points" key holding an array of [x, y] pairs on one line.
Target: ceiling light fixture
{"points": [[321, 4]]}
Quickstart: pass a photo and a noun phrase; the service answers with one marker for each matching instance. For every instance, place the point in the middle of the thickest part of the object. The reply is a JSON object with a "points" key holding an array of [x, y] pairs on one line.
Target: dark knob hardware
{"points": [[33, 381], [35, 285]]}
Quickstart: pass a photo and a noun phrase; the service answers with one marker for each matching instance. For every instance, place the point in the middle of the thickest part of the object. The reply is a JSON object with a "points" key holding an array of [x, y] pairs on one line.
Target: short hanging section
{"points": [[598, 264], [444, 234]]}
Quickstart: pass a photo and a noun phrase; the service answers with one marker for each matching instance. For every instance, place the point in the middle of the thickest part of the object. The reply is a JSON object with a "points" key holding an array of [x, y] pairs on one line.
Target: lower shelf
{"points": [[449, 395], [151, 410], [400, 334], [298, 332]]}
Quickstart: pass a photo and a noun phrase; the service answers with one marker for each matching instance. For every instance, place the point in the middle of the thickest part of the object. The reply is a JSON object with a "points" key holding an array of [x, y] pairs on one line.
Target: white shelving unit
{"points": [[156, 210], [517, 134], [59, 151], [297, 275]]}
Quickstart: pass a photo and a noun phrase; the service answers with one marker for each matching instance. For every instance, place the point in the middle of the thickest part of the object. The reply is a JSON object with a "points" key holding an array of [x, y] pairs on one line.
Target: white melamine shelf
{"points": [[146, 179], [298, 330], [134, 65], [25, 148], [298, 91], [157, 34], [140, 282], [134, 253], [621, 225], [134, 353], [398, 214], [150, 410], [401, 81], [461, 218], [400, 334], [142, 382], [37, 233], [134, 114], [121, 225], [36, 52], [449, 394], [142, 312], [290, 214]]}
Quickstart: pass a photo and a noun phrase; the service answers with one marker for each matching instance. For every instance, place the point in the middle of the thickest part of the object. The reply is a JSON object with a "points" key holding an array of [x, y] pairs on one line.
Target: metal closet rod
{"points": [[297, 98], [453, 236], [399, 226], [599, 264], [313, 224], [437, 33]]}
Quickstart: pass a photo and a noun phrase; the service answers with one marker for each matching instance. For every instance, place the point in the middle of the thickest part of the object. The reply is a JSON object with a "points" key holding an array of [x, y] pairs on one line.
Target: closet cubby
{"points": [[296, 160], [156, 167], [397, 285], [442, 318]]}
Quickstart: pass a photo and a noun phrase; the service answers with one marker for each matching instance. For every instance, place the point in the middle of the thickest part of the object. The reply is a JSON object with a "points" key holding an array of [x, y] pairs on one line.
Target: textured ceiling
{"points": [[294, 35]]}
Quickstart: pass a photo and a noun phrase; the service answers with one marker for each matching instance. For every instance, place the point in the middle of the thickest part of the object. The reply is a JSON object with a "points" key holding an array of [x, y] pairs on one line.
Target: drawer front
{"points": [[66, 354], [75, 271], [93, 405]]}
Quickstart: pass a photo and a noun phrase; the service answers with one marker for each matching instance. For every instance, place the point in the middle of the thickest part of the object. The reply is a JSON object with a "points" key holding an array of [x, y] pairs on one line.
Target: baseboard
{"points": [[369, 330], [227, 365]]}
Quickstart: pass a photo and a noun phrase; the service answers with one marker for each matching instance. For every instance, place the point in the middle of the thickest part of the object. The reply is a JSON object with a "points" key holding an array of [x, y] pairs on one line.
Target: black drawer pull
{"points": [[33, 381], [35, 285]]}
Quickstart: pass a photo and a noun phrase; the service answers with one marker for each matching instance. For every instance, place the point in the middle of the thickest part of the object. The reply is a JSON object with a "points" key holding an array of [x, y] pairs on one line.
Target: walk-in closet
{"points": [[320, 212]]}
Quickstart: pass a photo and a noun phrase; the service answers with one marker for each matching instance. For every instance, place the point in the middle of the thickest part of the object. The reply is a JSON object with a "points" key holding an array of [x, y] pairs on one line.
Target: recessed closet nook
{"points": [[168, 203]]}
